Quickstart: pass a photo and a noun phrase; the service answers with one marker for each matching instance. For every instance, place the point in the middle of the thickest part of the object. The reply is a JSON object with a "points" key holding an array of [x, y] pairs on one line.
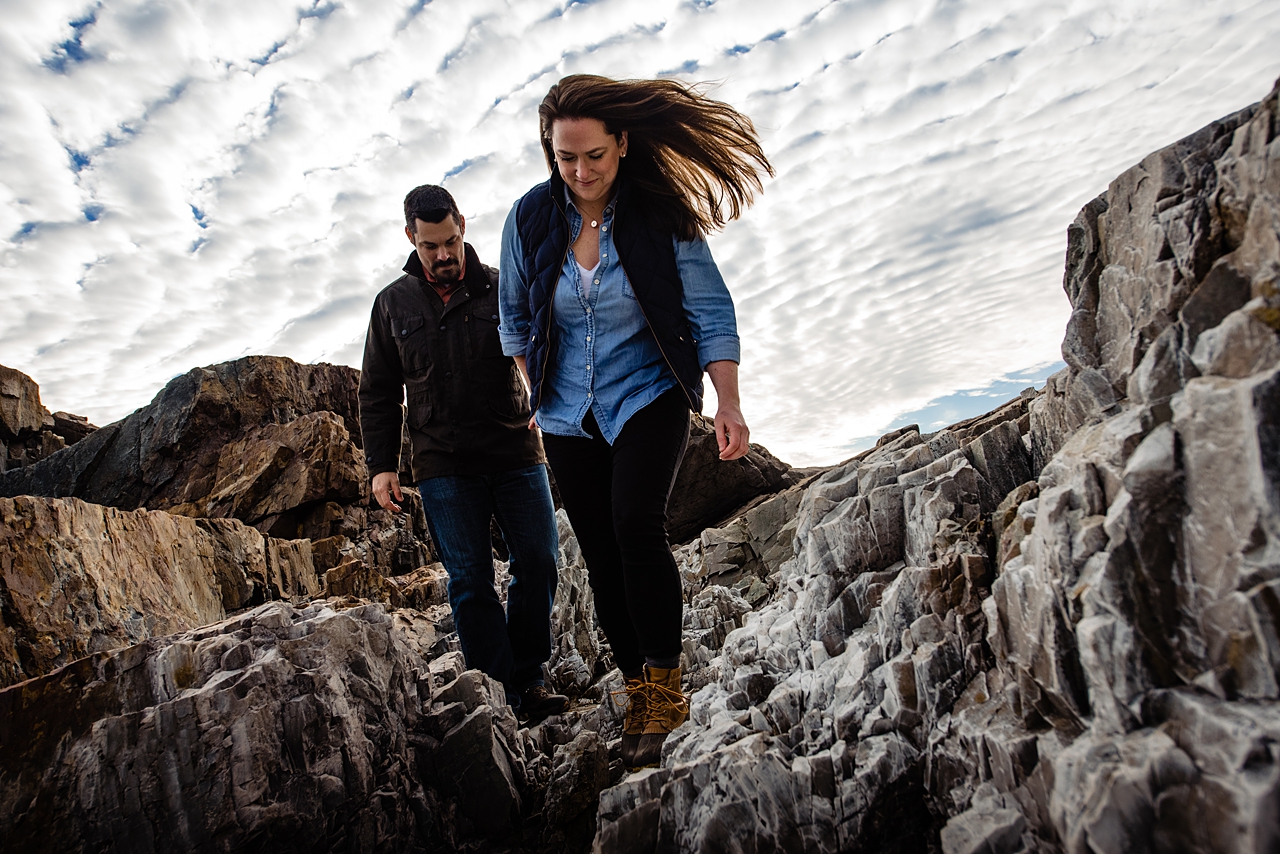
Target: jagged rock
{"points": [[72, 428], [20, 409], [280, 729], [985, 829], [28, 433], [708, 489], [577, 641], [424, 588], [31, 448], [271, 475], [746, 552], [580, 772], [80, 578], [395, 543], [473, 762], [359, 580], [1054, 627], [1231, 528], [430, 633], [166, 454]]}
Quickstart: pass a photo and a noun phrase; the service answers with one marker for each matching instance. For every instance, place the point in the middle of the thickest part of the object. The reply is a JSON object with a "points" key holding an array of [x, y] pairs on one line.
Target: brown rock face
{"points": [[167, 453], [20, 408], [270, 476], [28, 433], [79, 578]]}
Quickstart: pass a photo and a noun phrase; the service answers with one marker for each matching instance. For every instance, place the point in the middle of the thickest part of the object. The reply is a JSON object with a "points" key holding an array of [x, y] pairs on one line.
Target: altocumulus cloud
{"points": [[183, 183]]}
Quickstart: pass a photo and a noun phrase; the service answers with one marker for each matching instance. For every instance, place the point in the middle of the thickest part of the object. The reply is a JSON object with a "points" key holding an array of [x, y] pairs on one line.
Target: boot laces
{"points": [[634, 695], [665, 699]]}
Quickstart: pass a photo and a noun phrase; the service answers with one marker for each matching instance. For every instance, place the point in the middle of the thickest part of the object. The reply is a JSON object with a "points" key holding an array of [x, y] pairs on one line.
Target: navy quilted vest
{"points": [[649, 260]]}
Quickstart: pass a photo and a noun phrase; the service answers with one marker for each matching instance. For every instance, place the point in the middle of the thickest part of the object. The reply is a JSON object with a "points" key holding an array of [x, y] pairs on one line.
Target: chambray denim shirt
{"points": [[605, 358]]}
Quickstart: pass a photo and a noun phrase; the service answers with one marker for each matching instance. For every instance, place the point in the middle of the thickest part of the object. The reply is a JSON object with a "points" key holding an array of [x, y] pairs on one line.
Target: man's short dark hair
{"points": [[429, 203]]}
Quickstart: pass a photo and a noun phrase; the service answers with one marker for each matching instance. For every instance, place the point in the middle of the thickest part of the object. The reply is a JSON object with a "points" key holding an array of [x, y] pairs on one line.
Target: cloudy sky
{"points": [[184, 182]]}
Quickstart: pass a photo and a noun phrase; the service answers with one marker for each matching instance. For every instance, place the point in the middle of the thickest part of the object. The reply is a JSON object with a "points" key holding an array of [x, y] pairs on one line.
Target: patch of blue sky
{"points": [[411, 13], [269, 55], [687, 67], [79, 160], [72, 51], [964, 404], [463, 166], [318, 10], [92, 213]]}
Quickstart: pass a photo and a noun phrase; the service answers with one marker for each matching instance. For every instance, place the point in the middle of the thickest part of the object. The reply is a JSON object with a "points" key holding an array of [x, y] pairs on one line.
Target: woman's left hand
{"points": [[732, 433]]}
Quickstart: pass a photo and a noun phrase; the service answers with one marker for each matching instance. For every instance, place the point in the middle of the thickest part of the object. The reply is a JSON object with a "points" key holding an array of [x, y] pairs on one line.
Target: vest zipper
{"points": [[640, 303]]}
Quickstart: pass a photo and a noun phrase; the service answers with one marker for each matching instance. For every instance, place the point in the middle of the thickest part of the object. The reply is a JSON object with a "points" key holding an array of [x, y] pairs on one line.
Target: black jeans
{"points": [[616, 498]]}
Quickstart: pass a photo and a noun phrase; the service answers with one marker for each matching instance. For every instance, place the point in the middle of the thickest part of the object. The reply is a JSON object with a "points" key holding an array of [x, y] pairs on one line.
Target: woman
{"points": [[613, 308]]}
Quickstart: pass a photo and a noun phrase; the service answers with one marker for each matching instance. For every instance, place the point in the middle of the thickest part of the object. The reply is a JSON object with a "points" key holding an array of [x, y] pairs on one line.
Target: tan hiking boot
{"points": [[634, 695], [666, 709]]}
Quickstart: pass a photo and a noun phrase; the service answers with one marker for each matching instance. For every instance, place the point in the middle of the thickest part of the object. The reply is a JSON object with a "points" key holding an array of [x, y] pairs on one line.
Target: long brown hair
{"points": [[697, 159]]}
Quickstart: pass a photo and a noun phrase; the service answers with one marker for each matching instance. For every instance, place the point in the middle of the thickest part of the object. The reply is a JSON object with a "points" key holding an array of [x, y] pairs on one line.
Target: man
{"points": [[434, 333]]}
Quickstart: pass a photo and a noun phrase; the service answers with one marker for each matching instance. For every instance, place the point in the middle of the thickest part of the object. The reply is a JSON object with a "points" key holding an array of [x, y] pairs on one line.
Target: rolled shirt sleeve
{"points": [[513, 291], [707, 303]]}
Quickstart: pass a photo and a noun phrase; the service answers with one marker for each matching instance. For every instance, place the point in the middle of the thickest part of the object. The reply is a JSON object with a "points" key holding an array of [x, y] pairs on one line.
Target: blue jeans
{"points": [[510, 647]]}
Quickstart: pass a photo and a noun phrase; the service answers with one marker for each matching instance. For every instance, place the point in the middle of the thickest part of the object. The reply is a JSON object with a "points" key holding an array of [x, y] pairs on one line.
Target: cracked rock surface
{"points": [[1050, 628]]}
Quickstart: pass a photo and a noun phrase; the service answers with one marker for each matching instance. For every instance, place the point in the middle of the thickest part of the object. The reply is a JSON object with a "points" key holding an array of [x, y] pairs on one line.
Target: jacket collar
{"points": [[474, 280]]}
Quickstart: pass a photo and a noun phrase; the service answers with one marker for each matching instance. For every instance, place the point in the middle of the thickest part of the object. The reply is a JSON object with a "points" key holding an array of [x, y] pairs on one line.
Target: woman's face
{"points": [[587, 156]]}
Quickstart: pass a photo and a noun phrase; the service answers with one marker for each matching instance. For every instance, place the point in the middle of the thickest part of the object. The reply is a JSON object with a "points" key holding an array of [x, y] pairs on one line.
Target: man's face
{"points": [[439, 246]]}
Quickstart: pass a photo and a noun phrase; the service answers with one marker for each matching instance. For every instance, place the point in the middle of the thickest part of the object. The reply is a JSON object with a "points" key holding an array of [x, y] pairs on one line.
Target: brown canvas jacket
{"points": [[466, 406]]}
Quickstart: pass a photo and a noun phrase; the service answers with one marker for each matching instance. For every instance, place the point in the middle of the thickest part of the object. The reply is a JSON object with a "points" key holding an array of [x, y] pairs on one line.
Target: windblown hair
{"points": [[697, 160]]}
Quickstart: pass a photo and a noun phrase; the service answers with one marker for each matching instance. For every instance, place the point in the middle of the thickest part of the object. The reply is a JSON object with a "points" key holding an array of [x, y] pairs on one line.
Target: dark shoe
{"points": [[537, 703], [634, 720], [666, 708]]}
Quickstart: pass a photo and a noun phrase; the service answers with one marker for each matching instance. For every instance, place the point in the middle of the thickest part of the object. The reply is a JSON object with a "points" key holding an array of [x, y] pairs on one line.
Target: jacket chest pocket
{"points": [[482, 338], [411, 340]]}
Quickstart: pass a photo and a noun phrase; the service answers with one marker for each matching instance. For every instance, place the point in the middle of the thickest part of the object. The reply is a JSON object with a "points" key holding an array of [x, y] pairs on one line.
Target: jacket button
{"points": [[448, 374], [442, 327], [493, 317], [404, 331]]}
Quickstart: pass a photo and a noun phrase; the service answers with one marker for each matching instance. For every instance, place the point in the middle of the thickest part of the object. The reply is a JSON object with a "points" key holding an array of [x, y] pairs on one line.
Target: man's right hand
{"points": [[385, 485]]}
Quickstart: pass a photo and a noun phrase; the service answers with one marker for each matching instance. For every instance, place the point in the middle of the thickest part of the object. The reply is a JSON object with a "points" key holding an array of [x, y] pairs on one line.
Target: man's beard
{"points": [[447, 272]]}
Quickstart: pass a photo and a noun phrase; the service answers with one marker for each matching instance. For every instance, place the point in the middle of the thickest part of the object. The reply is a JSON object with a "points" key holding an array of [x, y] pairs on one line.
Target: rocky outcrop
{"points": [[28, 432], [20, 408], [708, 490], [1050, 628], [77, 578], [167, 454], [278, 730]]}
